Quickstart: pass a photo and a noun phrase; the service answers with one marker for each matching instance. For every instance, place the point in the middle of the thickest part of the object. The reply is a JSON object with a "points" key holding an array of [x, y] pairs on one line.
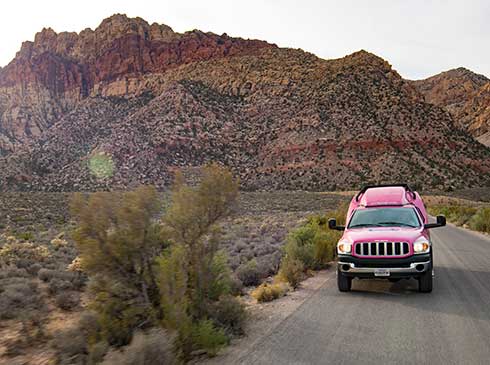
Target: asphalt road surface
{"points": [[384, 323]]}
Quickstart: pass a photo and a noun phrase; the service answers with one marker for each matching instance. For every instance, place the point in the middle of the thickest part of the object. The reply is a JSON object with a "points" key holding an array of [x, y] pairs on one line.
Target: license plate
{"points": [[381, 272]]}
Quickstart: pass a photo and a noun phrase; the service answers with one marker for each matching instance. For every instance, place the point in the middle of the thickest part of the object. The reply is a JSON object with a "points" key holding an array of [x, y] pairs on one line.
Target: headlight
{"points": [[344, 247], [422, 245]]}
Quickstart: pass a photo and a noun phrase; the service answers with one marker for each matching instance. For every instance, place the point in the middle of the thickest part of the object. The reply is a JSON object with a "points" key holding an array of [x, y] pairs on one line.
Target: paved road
{"points": [[384, 323]]}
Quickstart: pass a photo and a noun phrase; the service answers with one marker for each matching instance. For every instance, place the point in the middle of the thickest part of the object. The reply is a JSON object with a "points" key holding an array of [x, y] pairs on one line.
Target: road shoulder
{"points": [[265, 317]]}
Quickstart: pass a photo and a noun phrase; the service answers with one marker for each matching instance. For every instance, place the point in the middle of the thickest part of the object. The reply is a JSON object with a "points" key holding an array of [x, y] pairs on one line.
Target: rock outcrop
{"points": [[51, 75], [465, 95]]}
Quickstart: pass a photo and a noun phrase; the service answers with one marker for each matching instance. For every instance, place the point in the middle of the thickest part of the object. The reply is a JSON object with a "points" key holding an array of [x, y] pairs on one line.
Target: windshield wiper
{"points": [[364, 225], [397, 224]]}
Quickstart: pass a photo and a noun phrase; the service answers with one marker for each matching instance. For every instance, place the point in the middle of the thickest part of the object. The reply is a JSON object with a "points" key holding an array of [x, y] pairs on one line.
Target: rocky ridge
{"points": [[280, 118], [51, 75], [465, 95]]}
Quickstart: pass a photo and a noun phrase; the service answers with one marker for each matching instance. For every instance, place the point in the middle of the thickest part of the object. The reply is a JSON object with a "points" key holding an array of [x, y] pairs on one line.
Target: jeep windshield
{"points": [[384, 217]]}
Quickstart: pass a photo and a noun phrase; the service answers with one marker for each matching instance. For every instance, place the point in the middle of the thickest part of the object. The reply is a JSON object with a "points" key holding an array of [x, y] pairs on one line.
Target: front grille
{"points": [[382, 248]]}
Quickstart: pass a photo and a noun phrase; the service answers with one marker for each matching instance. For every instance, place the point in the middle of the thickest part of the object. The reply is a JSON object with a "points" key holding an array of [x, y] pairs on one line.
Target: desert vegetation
{"points": [[59, 293], [473, 217], [310, 247], [151, 266]]}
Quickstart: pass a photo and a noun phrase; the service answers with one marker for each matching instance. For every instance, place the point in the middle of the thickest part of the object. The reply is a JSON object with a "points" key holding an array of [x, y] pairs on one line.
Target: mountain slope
{"points": [[280, 118], [465, 95], [51, 75]]}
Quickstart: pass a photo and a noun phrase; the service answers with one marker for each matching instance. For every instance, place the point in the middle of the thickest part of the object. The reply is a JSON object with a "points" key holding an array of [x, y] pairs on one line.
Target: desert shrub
{"points": [[149, 267], [119, 236], [26, 236], [208, 337], [67, 300], [58, 285], [44, 274], [154, 347], [59, 242], [481, 220], [119, 310], [34, 269], [292, 271], [266, 266], [249, 273], [97, 353], [236, 285], [339, 214], [324, 242], [228, 313], [268, 292], [234, 261], [476, 218], [75, 280], [457, 214], [219, 275], [300, 246], [71, 346], [90, 326], [18, 297], [313, 244], [13, 272], [22, 254]]}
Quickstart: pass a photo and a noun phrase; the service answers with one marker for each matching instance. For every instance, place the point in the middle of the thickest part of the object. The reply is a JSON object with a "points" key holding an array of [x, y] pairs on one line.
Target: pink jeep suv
{"points": [[386, 236]]}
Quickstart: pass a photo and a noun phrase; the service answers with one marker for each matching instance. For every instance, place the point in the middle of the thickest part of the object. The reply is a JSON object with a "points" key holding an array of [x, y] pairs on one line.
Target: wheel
{"points": [[425, 282], [343, 282]]}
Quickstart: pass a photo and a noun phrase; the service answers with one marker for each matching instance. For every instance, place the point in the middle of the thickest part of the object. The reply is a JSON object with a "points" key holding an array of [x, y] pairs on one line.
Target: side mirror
{"points": [[332, 224], [441, 222]]}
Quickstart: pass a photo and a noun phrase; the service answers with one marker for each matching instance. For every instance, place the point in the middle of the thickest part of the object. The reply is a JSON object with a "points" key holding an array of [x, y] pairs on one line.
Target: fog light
{"points": [[419, 267], [345, 267]]}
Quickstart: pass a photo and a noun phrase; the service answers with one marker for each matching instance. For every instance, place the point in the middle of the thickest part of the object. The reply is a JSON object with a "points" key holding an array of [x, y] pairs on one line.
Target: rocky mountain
{"points": [[51, 75], [131, 102], [466, 95]]}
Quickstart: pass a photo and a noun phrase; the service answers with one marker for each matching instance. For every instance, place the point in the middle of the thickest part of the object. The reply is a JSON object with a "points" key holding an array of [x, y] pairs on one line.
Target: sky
{"points": [[419, 38]]}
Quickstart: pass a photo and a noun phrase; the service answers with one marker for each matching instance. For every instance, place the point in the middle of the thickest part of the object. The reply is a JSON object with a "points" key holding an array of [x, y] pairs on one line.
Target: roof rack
{"points": [[366, 187]]}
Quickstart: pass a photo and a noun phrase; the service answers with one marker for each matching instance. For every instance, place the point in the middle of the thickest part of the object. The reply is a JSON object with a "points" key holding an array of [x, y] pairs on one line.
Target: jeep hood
{"points": [[393, 234]]}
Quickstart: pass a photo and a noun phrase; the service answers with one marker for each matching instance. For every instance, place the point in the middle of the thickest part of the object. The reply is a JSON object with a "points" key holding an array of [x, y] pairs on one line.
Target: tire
{"points": [[425, 282], [343, 282]]}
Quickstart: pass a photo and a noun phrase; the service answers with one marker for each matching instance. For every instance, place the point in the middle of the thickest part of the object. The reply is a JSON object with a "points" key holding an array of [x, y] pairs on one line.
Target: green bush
{"points": [[481, 220], [208, 337], [300, 245], [229, 313], [292, 271], [477, 218], [457, 214], [151, 263], [97, 352], [312, 244], [26, 236]]}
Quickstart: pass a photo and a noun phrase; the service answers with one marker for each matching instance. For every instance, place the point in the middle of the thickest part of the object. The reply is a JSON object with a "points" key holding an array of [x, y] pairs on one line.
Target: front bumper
{"points": [[398, 268]]}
